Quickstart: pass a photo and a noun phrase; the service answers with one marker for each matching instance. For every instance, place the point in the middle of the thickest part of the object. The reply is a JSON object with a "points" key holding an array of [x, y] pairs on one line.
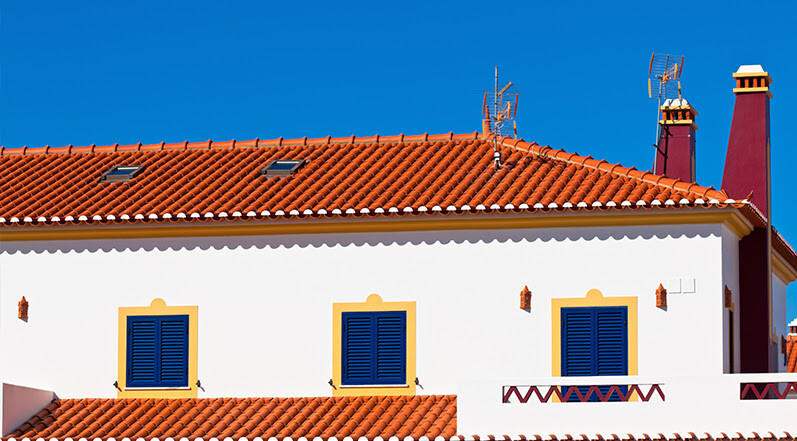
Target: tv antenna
{"points": [[663, 75], [500, 108]]}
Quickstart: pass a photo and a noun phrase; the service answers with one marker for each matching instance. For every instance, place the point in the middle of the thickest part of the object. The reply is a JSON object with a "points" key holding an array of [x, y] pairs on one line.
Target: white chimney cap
{"points": [[750, 68], [675, 102], [793, 323]]}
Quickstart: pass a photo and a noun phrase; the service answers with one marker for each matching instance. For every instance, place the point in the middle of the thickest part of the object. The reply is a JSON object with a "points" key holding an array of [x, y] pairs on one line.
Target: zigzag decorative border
{"points": [[769, 388], [614, 389]]}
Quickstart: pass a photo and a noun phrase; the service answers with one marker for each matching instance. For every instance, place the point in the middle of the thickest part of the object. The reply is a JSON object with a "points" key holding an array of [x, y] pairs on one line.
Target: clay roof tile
{"points": [[341, 173]]}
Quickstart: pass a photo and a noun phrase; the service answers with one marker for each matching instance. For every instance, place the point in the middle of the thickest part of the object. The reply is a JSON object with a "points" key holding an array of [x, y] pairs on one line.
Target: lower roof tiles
{"points": [[324, 417]]}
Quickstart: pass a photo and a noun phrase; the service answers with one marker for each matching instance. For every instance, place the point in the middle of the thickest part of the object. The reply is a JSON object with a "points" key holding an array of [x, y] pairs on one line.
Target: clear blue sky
{"points": [[106, 72]]}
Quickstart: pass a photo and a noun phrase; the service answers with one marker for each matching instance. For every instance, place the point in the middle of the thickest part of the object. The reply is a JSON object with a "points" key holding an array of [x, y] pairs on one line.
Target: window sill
{"points": [[158, 388], [362, 386]]}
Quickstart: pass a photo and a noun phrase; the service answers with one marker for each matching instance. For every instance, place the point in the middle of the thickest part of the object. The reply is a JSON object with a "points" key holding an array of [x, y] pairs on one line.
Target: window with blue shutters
{"points": [[374, 348], [157, 351], [595, 343]]}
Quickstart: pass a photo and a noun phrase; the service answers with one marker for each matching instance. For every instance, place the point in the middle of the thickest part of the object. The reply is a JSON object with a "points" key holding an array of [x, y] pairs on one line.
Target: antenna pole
{"points": [[496, 153], [658, 135]]}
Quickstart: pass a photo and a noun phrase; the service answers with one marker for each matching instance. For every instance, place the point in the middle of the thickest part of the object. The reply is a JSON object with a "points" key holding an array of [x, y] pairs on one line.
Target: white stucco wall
{"points": [[18, 403], [265, 303], [730, 278]]}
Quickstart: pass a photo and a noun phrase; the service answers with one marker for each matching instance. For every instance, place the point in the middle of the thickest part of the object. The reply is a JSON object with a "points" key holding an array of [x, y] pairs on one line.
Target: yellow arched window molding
{"points": [[593, 298], [158, 307], [372, 303]]}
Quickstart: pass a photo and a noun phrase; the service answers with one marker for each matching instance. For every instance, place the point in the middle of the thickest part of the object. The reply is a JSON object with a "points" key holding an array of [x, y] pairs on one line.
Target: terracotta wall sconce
{"points": [[728, 299], [661, 297], [23, 309], [525, 299]]}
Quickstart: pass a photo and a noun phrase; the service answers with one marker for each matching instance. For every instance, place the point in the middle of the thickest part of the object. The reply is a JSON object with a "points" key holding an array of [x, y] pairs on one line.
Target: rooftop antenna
{"points": [[500, 108], [663, 75]]}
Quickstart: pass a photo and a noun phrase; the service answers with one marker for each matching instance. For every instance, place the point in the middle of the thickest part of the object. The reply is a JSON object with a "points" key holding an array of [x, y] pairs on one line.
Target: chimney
{"points": [[791, 348], [747, 159], [487, 132], [746, 171], [675, 156]]}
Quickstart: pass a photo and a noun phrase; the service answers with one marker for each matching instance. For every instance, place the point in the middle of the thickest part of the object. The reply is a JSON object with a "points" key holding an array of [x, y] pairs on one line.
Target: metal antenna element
{"points": [[500, 108], [663, 84]]}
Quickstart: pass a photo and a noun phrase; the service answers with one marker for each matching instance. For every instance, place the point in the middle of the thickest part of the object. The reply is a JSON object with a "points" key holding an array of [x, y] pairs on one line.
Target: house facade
{"points": [[390, 286]]}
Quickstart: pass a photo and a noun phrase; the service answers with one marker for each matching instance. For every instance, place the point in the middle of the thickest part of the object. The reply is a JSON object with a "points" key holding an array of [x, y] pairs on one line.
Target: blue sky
{"points": [[105, 72]]}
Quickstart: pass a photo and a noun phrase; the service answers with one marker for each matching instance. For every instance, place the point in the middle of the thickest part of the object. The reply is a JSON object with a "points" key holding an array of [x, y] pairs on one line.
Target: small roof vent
{"points": [[282, 167], [121, 173]]}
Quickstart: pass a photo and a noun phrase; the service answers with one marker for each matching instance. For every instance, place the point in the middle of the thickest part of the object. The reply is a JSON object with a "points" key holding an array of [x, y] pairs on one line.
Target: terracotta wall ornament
{"points": [[525, 299], [661, 297], [728, 298], [23, 309]]}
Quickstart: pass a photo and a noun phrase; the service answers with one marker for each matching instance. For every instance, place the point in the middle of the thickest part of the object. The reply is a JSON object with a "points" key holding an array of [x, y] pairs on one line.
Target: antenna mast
{"points": [[496, 153], [663, 75], [500, 111]]}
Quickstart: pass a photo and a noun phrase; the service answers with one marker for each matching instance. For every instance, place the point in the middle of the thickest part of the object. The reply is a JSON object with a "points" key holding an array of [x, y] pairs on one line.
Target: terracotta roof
{"points": [[430, 416], [343, 176]]}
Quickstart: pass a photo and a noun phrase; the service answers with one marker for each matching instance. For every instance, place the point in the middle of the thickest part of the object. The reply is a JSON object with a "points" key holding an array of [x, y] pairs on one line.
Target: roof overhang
{"points": [[730, 216]]}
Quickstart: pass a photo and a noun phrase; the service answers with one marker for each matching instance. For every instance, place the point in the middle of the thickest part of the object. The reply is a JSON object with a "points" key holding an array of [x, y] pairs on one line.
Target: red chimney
{"points": [[747, 160], [675, 156], [746, 171]]}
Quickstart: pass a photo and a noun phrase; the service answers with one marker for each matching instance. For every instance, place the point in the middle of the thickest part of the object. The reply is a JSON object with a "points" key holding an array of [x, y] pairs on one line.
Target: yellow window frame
{"points": [[593, 298], [372, 303], [158, 307]]}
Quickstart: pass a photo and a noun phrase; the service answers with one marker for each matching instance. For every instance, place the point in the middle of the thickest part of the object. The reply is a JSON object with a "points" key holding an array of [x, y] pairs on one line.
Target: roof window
{"points": [[121, 173], [282, 167]]}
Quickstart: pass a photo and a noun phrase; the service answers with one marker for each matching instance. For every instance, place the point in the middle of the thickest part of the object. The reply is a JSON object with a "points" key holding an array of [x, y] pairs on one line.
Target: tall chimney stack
{"points": [[675, 156], [747, 159], [746, 171]]}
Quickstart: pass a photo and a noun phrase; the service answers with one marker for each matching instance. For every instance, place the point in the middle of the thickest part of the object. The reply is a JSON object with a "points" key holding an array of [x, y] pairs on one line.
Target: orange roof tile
{"points": [[186, 182], [417, 416]]}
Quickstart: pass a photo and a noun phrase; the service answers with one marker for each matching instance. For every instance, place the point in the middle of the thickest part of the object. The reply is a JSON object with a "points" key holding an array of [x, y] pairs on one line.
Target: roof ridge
{"points": [[614, 168], [257, 142]]}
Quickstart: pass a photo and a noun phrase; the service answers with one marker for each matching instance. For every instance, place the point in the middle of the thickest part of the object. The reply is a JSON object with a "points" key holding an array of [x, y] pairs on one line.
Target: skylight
{"points": [[282, 167], [121, 173]]}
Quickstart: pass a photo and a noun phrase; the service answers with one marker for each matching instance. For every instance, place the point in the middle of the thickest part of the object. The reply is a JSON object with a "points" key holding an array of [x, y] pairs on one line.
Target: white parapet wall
{"points": [[699, 404], [19, 403]]}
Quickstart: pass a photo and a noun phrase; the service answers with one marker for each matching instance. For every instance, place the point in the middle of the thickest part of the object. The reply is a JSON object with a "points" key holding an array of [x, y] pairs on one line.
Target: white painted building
{"points": [[486, 279]]}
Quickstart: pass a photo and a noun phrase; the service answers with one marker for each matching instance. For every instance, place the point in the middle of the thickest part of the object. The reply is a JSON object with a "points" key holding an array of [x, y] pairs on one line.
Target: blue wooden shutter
{"points": [[141, 351], [578, 348], [611, 341], [357, 348], [391, 336], [157, 351], [173, 351], [374, 348]]}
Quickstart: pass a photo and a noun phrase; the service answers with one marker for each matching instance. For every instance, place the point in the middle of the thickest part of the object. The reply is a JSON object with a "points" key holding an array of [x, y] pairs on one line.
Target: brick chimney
{"points": [[747, 159], [746, 171], [791, 348], [675, 156]]}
